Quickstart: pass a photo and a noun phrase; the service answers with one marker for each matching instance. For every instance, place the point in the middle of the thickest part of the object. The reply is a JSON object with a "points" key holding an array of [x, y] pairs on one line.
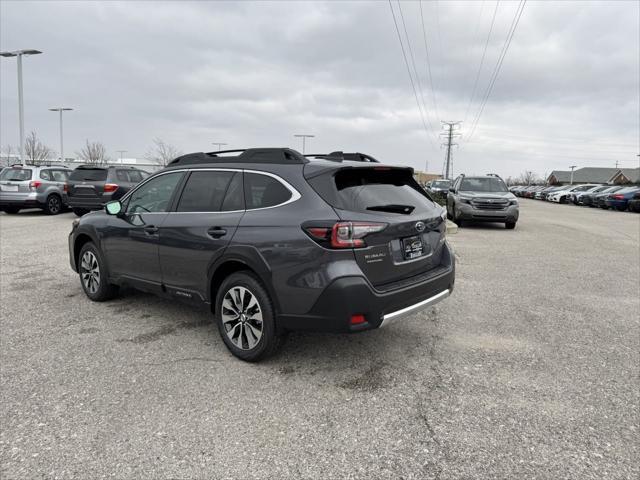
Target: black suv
{"points": [[90, 187], [272, 242]]}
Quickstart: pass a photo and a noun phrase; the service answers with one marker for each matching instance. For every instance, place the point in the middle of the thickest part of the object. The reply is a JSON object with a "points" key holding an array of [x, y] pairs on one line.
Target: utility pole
{"points": [[304, 140], [219, 144], [19, 54], [61, 109], [449, 136], [572, 167]]}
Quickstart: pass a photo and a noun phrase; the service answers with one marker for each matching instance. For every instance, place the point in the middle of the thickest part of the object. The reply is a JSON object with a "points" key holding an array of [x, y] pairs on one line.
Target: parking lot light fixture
{"points": [[19, 54], [572, 167], [61, 109], [304, 140], [219, 144]]}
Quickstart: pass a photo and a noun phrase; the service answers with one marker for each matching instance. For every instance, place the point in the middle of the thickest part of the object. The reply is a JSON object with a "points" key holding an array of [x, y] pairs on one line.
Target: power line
{"points": [[484, 53], [415, 70], [496, 71], [424, 36], [413, 86]]}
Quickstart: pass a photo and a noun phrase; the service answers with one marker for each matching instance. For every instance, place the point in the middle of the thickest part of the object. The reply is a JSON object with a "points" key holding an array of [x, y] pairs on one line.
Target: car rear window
{"points": [[205, 191], [262, 191], [16, 174], [89, 174], [373, 190]]}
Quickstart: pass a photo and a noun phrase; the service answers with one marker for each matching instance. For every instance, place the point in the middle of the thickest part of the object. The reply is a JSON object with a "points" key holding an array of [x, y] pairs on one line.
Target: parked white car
{"points": [[560, 196]]}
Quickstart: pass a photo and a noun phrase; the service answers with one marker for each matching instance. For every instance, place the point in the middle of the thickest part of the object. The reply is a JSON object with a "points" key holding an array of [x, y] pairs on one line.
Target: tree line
{"points": [[92, 152]]}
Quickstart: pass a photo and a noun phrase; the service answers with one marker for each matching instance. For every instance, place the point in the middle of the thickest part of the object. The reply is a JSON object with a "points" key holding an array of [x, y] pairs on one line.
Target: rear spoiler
{"points": [[340, 156]]}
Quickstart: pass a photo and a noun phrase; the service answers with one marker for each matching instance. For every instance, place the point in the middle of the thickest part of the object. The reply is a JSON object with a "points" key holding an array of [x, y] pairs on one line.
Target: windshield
{"points": [[488, 184], [16, 174], [89, 174], [441, 184]]}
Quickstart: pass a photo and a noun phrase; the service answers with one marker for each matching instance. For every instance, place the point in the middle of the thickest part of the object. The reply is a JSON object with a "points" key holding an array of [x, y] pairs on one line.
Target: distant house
{"points": [[582, 175], [423, 177], [626, 175]]}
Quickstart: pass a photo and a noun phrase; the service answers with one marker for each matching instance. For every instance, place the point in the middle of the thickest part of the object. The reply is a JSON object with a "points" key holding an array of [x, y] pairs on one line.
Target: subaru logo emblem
{"points": [[420, 226]]}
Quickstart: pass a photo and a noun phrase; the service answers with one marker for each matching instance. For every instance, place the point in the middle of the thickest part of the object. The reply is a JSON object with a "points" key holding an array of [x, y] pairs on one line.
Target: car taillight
{"points": [[65, 188], [343, 234], [618, 196], [34, 184], [110, 187]]}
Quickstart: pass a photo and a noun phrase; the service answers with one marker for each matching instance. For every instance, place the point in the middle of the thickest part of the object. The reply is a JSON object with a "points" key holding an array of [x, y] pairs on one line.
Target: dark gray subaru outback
{"points": [[272, 241]]}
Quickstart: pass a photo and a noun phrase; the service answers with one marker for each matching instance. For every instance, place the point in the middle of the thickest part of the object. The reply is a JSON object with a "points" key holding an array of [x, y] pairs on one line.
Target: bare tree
{"points": [[93, 153], [35, 151], [161, 152], [9, 152], [529, 178]]}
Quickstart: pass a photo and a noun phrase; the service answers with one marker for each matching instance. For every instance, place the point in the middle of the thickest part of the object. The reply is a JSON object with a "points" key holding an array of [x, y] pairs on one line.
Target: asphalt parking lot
{"points": [[530, 370]]}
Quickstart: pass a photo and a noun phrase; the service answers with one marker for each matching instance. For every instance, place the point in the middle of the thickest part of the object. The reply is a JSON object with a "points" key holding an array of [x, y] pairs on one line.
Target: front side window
{"points": [[262, 191], [205, 191], [155, 195]]}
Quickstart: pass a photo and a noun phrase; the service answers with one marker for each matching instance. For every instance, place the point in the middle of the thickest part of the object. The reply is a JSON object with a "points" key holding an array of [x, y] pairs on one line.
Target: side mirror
{"points": [[452, 190], [113, 208]]}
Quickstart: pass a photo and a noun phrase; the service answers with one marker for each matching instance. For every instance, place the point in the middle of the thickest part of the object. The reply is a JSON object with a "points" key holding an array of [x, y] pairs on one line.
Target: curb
{"points": [[451, 228]]}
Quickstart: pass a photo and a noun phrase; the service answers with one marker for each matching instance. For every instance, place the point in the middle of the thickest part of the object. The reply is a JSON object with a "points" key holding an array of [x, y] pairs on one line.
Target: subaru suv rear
{"points": [[482, 199], [30, 186], [91, 187], [272, 242]]}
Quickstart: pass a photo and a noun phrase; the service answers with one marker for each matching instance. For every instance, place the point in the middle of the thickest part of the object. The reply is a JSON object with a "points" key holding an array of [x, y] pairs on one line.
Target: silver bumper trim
{"points": [[411, 309]]}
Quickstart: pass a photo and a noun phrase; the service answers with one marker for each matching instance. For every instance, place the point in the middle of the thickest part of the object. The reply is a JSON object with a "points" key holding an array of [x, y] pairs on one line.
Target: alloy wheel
{"points": [[54, 205], [90, 271], [242, 318]]}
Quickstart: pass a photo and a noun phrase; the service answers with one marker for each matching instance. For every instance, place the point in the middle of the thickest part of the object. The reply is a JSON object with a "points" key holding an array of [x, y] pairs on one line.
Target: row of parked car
{"points": [[617, 197], [54, 188]]}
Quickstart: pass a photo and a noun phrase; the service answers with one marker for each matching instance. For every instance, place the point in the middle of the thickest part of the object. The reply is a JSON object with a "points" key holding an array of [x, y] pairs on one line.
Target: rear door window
{"points": [[262, 191], [16, 174], [205, 191], [45, 174], [59, 175], [89, 175], [135, 176]]}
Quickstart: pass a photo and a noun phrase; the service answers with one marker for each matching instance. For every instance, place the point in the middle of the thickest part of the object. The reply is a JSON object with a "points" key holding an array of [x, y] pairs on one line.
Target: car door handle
{"points": [[151, 229], [217, 232]]}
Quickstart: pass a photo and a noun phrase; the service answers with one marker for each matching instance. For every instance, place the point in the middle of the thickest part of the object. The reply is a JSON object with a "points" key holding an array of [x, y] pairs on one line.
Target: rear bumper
{"points": [[354, 295], [86, 203], [616, 203], [465, 211], [20, 200]]}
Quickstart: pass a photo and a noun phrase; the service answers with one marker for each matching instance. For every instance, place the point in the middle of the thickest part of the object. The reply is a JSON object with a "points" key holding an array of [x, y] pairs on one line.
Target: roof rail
{"points": [[493, 175], [248, 155]]}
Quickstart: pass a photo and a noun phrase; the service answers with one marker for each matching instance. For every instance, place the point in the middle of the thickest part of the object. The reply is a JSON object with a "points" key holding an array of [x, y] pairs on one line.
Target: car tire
{"points": [[621, 209], [53, 205], [246, 318], [510, 225], [93, 274], [80, 211], [11, 210]]}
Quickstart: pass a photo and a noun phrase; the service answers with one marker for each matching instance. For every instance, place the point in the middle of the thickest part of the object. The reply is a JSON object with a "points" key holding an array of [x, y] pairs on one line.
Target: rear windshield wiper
{"points": [[393, 208]]}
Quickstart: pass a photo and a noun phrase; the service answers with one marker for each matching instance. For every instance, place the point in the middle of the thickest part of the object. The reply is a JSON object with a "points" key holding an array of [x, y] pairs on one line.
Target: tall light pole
{"points": [[304, 140], [121, 152], [61, 109], [219, 144], [572, 167], [20, 54]]}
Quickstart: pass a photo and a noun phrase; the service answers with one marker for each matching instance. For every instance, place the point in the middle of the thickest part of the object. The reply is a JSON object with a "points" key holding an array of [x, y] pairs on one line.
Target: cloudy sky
{"points": [[255, 73]]}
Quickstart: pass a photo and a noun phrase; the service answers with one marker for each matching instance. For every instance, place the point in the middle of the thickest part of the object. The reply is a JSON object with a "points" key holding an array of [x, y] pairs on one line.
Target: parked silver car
{"points": [[29, 186]]}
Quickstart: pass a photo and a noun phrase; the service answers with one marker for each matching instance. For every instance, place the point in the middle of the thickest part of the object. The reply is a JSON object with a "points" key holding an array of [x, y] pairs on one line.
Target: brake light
{"points": [[618, 196], [357, 319], [34, 184], [344, 234], [110, 187]]}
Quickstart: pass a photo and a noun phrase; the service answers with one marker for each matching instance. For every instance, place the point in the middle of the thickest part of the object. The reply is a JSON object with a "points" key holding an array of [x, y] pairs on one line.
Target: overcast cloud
{"points": [[253, 74]]}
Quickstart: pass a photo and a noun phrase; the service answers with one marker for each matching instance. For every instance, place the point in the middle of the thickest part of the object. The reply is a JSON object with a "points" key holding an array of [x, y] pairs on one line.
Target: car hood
{"points": [[507, 195]]}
